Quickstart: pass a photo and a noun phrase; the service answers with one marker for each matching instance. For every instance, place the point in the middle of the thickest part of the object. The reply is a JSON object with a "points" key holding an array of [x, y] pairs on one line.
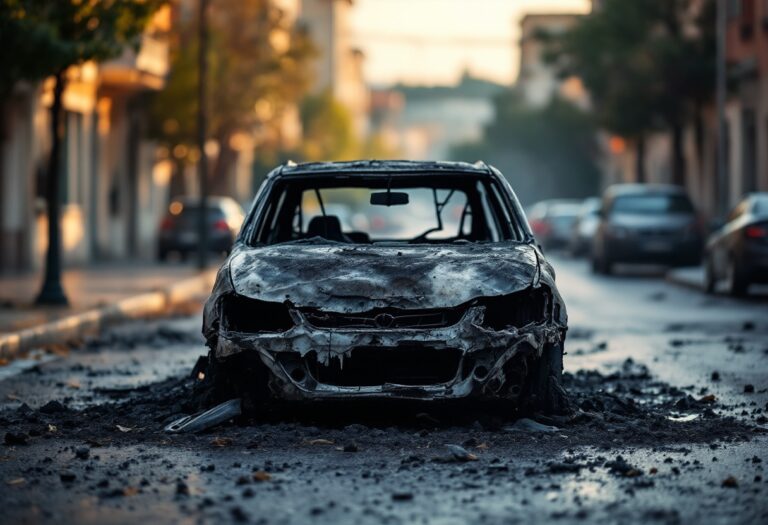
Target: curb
{"points": [[91, 321]]}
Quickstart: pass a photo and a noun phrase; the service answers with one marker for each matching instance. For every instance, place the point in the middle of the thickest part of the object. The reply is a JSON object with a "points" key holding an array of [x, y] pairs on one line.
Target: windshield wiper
{"points": [[439, 212]]}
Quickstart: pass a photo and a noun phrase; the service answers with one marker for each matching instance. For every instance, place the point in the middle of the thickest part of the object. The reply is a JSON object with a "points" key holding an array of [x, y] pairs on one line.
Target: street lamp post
{"points": [[202, 259]]}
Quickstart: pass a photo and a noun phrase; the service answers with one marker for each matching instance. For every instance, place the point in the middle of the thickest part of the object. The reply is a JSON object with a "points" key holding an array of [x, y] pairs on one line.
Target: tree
{"points": [[648, 65], [63, 33], [545, 152], [258, 66], [328, 129]]}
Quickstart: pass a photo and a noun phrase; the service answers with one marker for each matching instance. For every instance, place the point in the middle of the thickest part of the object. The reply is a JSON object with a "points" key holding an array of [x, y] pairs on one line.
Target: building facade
{"points": [[339, 65], [112, 186]]}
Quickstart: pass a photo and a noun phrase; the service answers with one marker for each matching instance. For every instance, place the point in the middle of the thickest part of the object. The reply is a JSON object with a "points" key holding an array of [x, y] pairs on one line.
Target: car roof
{"points": [[617, 190], [382, 167]]}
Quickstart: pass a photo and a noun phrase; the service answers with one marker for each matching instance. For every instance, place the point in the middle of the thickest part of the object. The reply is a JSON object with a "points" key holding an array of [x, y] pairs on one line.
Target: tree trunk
{"points": [[678, 156], [220, 181], [640, 160], [178, 185], [52, 292]]}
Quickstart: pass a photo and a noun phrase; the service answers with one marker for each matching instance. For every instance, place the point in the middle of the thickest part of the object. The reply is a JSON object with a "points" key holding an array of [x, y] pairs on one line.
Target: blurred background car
{"points": [[552, 221], [179, 230], [737, 251], [646, 223], [585, 227]]}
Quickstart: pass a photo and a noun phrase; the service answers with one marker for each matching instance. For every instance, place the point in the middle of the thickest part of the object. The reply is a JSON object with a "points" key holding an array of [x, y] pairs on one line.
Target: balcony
{"points": [[132, 71]]}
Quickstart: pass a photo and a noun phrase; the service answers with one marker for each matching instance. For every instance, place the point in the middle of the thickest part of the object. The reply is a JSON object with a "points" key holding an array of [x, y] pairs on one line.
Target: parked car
{"points": [[441, 294], [179, 230], [552, 221], [737, 252], [585, 227], [646, 223]]}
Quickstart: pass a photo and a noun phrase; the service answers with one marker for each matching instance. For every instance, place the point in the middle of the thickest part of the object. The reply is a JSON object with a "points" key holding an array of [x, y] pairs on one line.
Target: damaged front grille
{"points": [[375, 366], [386, 319]]}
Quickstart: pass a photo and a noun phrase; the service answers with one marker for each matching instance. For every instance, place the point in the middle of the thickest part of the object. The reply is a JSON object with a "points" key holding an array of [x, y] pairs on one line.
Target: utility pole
{"points": [[722, 129], [202, 230]]}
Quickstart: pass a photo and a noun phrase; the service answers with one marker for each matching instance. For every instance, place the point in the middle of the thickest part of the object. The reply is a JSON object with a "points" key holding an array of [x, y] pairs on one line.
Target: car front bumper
{"points": [[488, 363]]}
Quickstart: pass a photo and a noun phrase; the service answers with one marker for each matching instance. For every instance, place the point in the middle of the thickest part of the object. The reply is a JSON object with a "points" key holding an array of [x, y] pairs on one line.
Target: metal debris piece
{"points": [[204, 420], [529, 425]]}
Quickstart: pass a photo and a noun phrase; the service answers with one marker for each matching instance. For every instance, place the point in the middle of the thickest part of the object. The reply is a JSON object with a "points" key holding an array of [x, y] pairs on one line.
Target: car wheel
{"points": [[738, 283], [710, 280], [239, 376], [602, 264], [543, 391]]}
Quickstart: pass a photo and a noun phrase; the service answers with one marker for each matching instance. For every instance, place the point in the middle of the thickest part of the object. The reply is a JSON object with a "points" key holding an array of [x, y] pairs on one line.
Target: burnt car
{"points": [[433, 290], [737, 252]]}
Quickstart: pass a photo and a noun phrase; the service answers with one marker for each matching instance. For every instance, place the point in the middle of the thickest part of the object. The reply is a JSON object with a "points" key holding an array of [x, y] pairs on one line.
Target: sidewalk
{"points": [[98, 295]]}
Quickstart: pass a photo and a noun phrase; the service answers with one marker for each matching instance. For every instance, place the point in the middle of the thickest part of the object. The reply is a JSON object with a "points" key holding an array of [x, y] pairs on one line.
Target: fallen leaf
{"points": [[633, 473], [12, 397], [319, 442], [74, 384], [261, 475], [654, 470], [121, 428], [16, 481], [52, 428], [222, 442], [482, 446], [4, 361], [130, 491], [730, 482], [710, 398]]}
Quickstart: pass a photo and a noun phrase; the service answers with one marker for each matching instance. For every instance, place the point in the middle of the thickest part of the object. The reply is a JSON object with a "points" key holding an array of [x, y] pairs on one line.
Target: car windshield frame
{"points": [[498, 206]]}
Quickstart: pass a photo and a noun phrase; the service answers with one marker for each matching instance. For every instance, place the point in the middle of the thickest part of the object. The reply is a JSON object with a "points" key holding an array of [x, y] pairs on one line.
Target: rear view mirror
{"points": [[389, 198]]}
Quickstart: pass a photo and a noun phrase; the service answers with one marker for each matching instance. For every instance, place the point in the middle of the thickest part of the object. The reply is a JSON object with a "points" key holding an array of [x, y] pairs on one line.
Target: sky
{"points": [[434, 41]]}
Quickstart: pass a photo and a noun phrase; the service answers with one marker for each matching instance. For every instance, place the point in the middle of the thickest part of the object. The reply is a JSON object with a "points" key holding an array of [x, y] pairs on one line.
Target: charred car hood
{"points": [[344, 278]]}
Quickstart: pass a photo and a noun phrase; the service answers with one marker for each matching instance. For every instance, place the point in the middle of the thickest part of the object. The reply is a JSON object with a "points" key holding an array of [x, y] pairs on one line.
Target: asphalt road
{"points": [[672, 387]]}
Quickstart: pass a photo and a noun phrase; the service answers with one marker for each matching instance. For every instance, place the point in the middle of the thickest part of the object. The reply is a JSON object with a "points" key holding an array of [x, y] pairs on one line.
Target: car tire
{"points": [[710, 280], [239, 376], [602, 264], [543, 392], [738, 281]]}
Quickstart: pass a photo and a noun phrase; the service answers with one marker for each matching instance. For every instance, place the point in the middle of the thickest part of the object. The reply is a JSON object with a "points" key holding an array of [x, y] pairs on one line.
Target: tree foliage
{"points": [[648, 64], [545, 152], [39, 38], [258, 66], [328, 129]]}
